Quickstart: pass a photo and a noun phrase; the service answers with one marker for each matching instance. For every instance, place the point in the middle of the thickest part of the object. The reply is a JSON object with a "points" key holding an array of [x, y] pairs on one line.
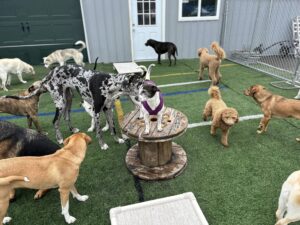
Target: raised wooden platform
{"points": [[156, 157], [128, 67]]}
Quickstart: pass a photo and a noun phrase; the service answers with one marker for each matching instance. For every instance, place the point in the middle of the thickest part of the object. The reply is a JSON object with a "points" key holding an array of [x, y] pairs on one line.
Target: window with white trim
{"points": [[190, 10]]}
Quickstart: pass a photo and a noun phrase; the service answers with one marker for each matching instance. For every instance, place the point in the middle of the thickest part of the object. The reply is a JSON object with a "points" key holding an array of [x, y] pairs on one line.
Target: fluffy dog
{"points": [[162, 48], [24, 107], [13, 66], [289, 205], [96, 88], [222, 116], [60, 169], [62, 55], [212, 62], [19, 141], [272, 106]]}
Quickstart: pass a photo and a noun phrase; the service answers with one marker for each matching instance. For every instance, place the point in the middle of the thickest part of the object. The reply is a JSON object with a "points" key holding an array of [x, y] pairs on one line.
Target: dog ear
{"points": [[154, 88], [253, 89], [31, 89], [87, 138], [66, 141], [199, 52]]}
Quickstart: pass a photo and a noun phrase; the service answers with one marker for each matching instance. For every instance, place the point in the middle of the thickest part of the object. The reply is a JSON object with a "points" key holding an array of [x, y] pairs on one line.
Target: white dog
{"points": [[62, 55], [13, 66], [289, 201]]}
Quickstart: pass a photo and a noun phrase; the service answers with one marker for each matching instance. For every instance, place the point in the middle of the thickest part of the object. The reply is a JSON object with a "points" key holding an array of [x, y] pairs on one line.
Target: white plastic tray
{"points": [[180, 209]]}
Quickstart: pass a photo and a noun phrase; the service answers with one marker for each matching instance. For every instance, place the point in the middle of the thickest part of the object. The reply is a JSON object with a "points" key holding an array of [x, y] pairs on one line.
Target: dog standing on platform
{"points": [[60, 169], [222, 116], [212, 62]]}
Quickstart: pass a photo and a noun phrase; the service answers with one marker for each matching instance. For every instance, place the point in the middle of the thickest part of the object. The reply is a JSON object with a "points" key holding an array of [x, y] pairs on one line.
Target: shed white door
{"points": [[146, 24]]}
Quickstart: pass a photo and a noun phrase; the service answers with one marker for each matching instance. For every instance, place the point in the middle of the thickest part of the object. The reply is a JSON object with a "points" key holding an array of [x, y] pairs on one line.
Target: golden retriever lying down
{"points": [[222, 116], [272, 106]]}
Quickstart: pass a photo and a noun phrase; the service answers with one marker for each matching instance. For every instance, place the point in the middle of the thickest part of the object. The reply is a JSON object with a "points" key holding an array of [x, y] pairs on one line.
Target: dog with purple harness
{"points": [[96, 88]]}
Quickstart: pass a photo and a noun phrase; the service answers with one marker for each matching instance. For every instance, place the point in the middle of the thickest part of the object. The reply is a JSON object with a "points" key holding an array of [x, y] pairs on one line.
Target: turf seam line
{"points": [[243, 118]]}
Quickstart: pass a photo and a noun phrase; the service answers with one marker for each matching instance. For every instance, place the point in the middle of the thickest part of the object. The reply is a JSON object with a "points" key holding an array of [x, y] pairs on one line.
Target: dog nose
{"points": [[136, 98]]}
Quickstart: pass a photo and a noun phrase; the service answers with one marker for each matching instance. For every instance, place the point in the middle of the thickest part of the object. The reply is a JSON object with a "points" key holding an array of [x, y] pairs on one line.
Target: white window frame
{"points": [[199, 17]]}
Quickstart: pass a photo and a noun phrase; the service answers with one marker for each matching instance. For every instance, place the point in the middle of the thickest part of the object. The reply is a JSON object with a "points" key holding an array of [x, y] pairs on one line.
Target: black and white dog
{"points": [[96, 88]]}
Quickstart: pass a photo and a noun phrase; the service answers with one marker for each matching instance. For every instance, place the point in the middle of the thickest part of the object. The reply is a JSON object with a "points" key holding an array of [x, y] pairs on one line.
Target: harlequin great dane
{"points": [[97, 88]]}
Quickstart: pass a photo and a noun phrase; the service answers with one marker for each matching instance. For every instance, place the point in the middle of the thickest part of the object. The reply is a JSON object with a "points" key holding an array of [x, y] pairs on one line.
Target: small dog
{"points": [[212, 62], [60, 169], [222, 116], [162, 48], [24, 107], [272, 106], [62, 55], [289, 205], [152, 104], [18, 141], [13, 66]]}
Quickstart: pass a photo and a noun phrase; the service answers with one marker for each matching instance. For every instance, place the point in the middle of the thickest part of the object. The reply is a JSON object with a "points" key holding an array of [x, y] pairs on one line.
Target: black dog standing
{"points": [[162, 48]]}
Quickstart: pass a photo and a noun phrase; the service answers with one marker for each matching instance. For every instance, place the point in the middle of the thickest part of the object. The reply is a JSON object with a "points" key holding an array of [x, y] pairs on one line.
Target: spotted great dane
{"points": [[96, 88]]}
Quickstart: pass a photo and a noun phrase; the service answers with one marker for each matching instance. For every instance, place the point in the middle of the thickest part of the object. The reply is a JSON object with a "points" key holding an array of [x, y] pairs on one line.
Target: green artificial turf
{"points": [[239, 185]]}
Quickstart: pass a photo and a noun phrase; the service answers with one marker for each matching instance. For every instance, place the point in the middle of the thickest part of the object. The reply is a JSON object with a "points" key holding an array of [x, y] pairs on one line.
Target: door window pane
{"points": [[146, 18], [153, 19], [140, 20], [140, 7]]}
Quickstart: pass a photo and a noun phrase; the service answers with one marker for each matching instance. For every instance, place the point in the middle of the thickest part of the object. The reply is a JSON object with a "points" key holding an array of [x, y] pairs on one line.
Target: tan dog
{"points": [[5, 187], [289, 200], [272, 105], [212, 62], [23, 107], [60, 170], [222, 116]]}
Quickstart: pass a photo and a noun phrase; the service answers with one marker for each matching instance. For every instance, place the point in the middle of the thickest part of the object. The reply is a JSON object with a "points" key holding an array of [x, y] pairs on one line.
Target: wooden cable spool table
{"points": [[155, 156]]}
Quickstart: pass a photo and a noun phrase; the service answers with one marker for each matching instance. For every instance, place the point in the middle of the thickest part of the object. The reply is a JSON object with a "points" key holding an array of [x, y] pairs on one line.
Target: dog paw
{"points": [[70, 219], [6, 220], [159, 129], [105, 128], [5, 89], [146, 132], [38, 195], [44, 133], [298, 139], [24, 81], [91, 129], [75, 130], [104, 147], [259, 131], [121, 141], [82, 198], [124, 136], [60, 141]]}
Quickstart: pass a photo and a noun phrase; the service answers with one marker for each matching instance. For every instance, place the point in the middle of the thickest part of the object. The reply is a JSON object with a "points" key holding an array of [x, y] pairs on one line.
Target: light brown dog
{"points": [[272, 106], [23, 107], [60, 170], [289, 201], [212, 62], [222, 116]]}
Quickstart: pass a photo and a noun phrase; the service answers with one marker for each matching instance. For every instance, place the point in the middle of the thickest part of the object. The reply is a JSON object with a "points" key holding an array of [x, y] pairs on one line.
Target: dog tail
{"points": [[95, 63], [83, 46], [176, 51], [8, 180], [214, 92], [147, 77], [218, 50]]}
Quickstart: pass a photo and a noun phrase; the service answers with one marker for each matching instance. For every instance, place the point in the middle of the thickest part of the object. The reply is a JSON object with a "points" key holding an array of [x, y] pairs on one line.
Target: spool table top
{"points": [[174, 123]]}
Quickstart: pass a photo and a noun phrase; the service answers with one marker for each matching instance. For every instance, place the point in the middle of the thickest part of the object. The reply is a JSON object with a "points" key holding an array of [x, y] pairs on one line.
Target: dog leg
{"points": [[159, 120], [147, 123], [224, 138], [56, 122], [106, 127], [169, 57], [29, 122], [8, 82], [67, 112], [99, 135], [174, 58], [263, 124], [158, 59], [109, 118], [282, 202], [3, 210], [76, 195], [64, 198], [201, 72], [21, 78], [213, 130], [36, 123], [4, 83], [40, 193]]}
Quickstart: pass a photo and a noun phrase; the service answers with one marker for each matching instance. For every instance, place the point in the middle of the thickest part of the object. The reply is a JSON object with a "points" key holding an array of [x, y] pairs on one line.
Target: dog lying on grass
{"points": [[289, 200], [60, 169], [222, 116], [13, 66], [212, 62], [162, 48], [272, 106], [23, 107]]}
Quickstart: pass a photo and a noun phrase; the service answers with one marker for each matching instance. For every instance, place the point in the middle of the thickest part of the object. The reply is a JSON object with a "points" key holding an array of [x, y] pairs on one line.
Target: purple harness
{"points": [[160, 105]]}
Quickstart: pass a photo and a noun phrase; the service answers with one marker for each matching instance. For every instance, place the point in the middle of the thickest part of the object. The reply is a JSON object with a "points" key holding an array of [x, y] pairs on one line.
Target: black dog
{"points": [[19, 141], [162, 48]]}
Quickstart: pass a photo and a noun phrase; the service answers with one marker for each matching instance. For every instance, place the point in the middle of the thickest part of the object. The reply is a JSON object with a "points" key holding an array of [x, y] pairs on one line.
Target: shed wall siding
{"points": [[107, 28]]}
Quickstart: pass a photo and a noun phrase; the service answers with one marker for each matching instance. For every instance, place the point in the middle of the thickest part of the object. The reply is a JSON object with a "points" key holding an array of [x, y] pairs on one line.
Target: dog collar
{"points": [[157, 109]]}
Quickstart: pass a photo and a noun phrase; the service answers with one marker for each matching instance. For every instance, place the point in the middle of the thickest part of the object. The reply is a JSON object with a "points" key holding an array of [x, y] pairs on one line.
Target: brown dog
{"points": [[23, 107], [212, 62], [272, 105], [60, 170], [222, 116]]}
